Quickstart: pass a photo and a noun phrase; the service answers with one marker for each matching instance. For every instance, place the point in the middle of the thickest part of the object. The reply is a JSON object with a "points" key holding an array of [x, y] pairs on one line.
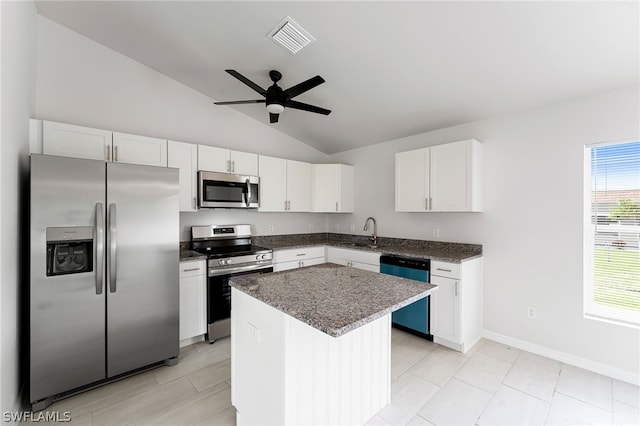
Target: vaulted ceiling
{"points": [[392, 68]]}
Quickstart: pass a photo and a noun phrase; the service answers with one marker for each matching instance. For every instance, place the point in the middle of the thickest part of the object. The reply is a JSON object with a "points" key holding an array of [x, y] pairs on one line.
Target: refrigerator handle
{"points": [[112, 248], [99, 247]]}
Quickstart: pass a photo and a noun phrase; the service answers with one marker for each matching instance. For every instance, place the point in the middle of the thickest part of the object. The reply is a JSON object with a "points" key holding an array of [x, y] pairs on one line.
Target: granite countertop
{"points": [[187, 254], [332, 298], [434, 250]]}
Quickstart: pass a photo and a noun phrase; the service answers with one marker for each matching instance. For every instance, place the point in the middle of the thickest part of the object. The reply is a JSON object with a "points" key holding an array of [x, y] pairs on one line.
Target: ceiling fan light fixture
{"points": [[275, 108], [291, 36]]}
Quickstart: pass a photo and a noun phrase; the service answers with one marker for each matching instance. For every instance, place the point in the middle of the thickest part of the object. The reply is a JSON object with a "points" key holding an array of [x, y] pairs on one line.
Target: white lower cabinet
{"points": [[456, 308], [297, 258], [193, 293], [369, 261]]}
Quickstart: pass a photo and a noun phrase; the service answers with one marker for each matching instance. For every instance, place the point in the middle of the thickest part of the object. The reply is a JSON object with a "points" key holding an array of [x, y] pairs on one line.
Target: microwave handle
{"points": [[248, 194]]}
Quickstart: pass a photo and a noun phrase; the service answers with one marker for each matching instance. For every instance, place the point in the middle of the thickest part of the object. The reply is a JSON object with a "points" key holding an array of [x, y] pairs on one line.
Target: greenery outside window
{"points": [[612, 233]]}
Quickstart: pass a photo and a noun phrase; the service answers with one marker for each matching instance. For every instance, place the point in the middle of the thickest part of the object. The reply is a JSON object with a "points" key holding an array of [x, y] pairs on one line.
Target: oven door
{"points": [[223, 190], [219, 302]]}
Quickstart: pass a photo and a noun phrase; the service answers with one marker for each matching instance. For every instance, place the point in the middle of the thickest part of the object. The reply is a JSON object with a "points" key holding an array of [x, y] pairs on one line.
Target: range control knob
{"points": [[229, 262], [260, 257], [222, 262]]}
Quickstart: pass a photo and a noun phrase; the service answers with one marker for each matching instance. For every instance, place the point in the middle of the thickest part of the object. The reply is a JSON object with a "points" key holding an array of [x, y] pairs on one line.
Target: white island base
{"points": [[285, 372]]}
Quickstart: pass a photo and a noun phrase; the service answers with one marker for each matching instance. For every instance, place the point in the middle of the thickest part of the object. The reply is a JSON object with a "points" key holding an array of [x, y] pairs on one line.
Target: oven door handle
{"points": [[246, 268]]}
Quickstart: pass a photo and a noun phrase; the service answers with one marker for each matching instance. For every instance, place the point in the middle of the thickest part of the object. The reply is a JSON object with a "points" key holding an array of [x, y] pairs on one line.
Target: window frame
{"points": [[604, 313]]}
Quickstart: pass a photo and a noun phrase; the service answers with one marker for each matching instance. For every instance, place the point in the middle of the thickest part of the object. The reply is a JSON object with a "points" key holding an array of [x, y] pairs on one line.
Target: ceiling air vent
{"points": [[291, 35]]}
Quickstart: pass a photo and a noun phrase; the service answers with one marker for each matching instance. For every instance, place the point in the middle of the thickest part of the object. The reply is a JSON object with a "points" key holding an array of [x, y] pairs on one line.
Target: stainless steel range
{"points": [[230, 254]]}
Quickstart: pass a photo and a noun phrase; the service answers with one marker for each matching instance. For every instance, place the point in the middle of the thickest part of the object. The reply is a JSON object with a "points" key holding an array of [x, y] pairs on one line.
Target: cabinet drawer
{"points": [[192, 268], [298, 254], [445, 269]]}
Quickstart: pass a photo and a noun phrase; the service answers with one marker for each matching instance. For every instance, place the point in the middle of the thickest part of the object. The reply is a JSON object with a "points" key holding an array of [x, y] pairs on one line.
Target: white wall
{"points": [[82, 82], [531, 228], [18, 22]]}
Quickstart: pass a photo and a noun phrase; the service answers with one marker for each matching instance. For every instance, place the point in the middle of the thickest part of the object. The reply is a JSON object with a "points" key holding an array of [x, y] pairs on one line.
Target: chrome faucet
{"points": [[374, 236]]}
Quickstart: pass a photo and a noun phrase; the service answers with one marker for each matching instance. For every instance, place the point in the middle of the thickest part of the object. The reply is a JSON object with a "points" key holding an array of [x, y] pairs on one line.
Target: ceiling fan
{"points": [[276, 98]]}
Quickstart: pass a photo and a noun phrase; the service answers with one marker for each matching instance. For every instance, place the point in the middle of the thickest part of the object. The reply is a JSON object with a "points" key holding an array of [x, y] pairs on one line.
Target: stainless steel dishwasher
{"points": [[413, 318]]}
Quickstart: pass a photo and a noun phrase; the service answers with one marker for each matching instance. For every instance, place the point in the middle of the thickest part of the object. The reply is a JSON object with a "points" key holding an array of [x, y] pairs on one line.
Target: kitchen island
{"points": [[313, 345]]}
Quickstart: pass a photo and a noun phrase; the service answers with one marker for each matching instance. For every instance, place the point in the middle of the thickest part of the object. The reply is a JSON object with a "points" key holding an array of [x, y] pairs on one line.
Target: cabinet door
{"points": [[285, 266], [298, 186], [412, 180], [213, 159], [67, 140], [184, 156], [450, 173], [365, 266], [332, 188], [193, 281], [445, 303], [192, 306], [273, 184], [244, 163], [134, 149]]}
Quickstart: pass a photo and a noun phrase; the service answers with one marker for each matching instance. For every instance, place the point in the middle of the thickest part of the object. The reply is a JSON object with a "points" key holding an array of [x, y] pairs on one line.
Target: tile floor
{"points": [[431, 385]]}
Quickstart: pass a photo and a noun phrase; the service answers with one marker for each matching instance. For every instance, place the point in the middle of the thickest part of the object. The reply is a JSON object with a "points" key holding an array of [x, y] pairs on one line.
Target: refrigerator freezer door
{"points": [[143, 296], [67, 317]]}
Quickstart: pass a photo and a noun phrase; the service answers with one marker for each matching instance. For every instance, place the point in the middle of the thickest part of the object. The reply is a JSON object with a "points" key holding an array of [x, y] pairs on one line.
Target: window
{"points": [[612, 233]]}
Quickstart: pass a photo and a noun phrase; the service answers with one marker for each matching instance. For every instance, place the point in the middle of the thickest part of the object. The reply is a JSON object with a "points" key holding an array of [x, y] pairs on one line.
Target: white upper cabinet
{"points": [[184, 156], [213, 159], [285, 185], [332, 188], [441, 178], [412, 180], [134, 149], [68, 140], [298, 186]]}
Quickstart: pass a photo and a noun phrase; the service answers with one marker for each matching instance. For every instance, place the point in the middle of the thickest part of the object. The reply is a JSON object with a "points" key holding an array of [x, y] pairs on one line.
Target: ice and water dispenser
{"points": [[69, 250]]}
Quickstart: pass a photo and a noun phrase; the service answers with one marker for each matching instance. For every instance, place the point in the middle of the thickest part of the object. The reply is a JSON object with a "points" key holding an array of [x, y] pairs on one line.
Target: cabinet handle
{"points": [[108, 149], [457, 289], [190, 269], [233, 167], [285, 205], [229, 166], [426, 203], [444, 270], [289, 205], [336, 206], [195, 205], [115, 153], [301, 254]]}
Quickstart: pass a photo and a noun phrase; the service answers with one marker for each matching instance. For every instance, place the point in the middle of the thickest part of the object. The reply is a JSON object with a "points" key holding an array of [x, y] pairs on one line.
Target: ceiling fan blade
{"points": [[273, 118], [306, 107], [254, 101], [248, 82], [294, 91]]}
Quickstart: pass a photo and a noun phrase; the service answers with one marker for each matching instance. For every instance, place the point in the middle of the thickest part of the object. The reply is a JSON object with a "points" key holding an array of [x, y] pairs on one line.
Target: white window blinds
{"points": [[612, 233]]}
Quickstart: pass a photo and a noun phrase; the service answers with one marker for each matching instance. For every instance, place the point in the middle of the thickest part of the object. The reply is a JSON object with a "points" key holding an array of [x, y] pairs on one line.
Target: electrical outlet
{"points": [[531, 312], [270, 228], [435, 232]]}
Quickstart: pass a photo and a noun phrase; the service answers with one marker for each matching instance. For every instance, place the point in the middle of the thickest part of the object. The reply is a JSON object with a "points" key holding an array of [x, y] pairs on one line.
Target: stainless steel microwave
{"points": [[224, 190]]}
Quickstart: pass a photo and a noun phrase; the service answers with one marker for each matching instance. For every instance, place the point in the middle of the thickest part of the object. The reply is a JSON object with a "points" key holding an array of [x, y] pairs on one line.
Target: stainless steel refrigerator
{"points": [[104, 285]]}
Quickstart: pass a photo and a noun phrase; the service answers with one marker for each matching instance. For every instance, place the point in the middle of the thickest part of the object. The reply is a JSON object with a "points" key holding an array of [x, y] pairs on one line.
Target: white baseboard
{"points": [[576, 361]]}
